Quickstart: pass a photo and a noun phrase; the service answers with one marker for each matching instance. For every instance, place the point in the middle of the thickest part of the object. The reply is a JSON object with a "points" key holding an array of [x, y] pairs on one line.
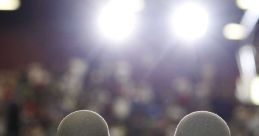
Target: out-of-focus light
{"points": [[242, 89], [234, 31], [247, 68], [189, 21], [118, 131], [121, 108], [9, 5], [118, 19], [255, 91], [249, 20], [247, 64], [248, 4]]}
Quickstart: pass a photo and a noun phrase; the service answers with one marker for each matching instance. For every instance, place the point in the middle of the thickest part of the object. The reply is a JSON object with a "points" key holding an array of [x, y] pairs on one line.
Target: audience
{"points": [[33, 102]]}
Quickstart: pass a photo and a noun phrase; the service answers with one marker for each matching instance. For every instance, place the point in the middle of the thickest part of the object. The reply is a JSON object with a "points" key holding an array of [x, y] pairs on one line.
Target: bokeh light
{"points": [[247, 61], [247, 67], [255, 91], [234, 31], [9, 5], [248, 4]]}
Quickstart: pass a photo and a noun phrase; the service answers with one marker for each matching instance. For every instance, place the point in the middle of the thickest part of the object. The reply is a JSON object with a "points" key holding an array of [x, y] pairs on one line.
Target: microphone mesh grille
{"points": [[83, 123], [202, 123]]}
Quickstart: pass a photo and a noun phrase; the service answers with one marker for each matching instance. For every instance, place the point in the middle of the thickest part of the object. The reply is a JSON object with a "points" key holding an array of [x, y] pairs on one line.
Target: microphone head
{"points": [[202, 123], [83, 123]]}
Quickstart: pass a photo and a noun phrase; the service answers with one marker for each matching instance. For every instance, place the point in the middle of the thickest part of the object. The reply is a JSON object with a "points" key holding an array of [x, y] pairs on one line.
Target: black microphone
{"points": [[83, 123], [202, 123]]}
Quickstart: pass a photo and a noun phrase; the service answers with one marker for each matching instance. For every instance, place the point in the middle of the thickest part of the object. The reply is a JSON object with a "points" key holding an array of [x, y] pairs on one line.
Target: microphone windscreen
{"points": [[83, 123], [202, 123]]}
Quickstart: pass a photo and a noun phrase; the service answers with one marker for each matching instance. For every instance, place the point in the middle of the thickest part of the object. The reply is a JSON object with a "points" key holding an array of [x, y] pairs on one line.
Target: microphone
{"points": [[83, 123], [202, 123]]}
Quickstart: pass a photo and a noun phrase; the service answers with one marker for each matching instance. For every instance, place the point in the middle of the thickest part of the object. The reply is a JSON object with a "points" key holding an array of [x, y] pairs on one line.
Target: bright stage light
{"points": [[189, 21], [234, 31], [9, 4], [116, 26], [118, 19]]}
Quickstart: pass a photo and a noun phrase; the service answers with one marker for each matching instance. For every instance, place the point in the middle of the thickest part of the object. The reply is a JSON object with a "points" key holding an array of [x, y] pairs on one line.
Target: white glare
{"points": [[189, 21], [132, 6], [248, 4], [118, 19], [255, 91], [234, 31], [9, 4]]}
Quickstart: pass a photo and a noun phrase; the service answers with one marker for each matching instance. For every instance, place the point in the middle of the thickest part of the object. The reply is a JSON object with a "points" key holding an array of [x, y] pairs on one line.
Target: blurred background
{"points": [[141, 64]]}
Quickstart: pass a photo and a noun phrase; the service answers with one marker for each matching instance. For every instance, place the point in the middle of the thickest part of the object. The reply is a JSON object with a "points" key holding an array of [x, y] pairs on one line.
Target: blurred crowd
{"points": [[35, 100]]}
